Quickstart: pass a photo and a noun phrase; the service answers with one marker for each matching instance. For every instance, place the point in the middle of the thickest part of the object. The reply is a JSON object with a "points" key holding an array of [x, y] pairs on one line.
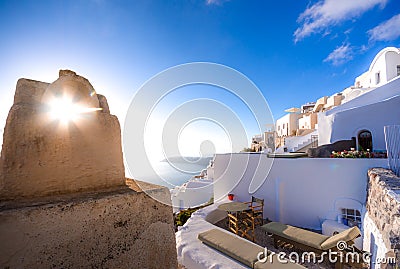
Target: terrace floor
{"points": [[193, 254]]}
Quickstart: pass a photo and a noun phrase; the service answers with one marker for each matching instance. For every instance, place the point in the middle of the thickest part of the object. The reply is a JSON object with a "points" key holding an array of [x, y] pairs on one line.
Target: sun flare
{"points": [[65, 110]]}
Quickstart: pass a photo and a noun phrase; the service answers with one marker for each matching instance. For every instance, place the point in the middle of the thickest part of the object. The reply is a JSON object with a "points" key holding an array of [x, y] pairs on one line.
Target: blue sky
{"points": [[294, 51]]}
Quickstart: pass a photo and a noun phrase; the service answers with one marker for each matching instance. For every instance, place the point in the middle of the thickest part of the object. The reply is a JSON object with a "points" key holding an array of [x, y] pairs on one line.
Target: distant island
{"points": [[195, 160]]}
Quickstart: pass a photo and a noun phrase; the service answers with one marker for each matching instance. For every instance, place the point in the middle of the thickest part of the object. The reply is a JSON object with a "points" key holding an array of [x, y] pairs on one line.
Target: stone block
{"points": [[29, 91], [124, 228]]}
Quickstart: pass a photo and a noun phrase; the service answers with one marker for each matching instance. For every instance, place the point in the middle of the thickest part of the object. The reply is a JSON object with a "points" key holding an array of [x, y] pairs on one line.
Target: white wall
{"points": [[191, 195], [308, 121], [379, 94], [300, 192], [363, 80], [392, 61], [385, 63], [290, 123], [373, 241], [379, 66], [351, 93], [305, 122]]}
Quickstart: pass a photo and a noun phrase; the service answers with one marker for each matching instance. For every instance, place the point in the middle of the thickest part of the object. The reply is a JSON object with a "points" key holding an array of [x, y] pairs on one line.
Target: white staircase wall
{"points": [[294, 143]]}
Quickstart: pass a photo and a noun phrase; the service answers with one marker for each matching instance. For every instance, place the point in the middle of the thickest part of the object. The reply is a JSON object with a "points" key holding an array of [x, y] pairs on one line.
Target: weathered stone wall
{"points": [[120, 229], [382, 220], [42, 156], [64, 199]]}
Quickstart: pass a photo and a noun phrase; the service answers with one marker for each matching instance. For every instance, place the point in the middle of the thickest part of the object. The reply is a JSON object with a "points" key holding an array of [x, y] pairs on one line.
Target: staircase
{"points": [[296, 143]]}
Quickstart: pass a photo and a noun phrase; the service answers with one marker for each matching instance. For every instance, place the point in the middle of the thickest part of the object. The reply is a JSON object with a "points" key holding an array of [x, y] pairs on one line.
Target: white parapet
{"points": [[299, 192]]}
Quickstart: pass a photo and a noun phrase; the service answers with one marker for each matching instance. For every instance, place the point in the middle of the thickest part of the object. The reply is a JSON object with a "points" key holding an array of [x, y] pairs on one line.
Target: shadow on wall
{"points": [[373, 250], [325, 151]]}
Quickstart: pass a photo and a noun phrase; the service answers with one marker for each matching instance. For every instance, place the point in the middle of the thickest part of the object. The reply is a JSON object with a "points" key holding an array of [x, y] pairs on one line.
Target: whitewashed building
{"points": [[359, 111], [384, 67], [196, 192], [366, 111], [287, 125]]}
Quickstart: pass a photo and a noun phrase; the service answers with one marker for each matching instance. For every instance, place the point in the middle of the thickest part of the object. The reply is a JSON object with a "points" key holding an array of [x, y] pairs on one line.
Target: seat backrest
{"points": [[346, 236], [257, 200]]}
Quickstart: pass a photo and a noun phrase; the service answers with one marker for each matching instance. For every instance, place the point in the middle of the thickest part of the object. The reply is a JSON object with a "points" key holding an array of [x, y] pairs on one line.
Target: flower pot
{"points": [[231, 196]]}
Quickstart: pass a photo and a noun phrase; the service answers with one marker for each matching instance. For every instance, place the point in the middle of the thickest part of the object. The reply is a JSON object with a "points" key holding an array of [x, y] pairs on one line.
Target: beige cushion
{"points": [[275, 264], [216, 215], [346, 235], [210, 238], [239, 249], [296, 234]]}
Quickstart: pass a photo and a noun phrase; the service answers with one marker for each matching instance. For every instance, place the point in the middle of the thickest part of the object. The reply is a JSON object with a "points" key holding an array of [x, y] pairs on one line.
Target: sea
{"points": [[171, 174]]}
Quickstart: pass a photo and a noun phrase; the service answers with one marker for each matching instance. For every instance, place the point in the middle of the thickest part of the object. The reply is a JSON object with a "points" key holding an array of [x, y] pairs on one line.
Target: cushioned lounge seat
{"points": [[240, 249], [310, 239]]}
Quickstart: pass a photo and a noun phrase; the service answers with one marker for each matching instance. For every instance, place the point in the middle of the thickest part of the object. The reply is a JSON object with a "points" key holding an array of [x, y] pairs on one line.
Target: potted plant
{"points": [[231, 196]]}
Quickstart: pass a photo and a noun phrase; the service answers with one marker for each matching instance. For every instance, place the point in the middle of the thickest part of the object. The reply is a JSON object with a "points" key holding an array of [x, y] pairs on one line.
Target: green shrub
{"points": [[184, 215]]}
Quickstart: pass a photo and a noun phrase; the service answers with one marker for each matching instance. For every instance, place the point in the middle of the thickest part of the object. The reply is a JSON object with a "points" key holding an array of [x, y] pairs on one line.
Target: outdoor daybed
{"points": [[307, 240], [242, 250], [317, 243]]}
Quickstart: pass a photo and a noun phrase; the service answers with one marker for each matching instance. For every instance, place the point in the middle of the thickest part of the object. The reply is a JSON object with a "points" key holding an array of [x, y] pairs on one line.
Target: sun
{"points": [[65, 110]]}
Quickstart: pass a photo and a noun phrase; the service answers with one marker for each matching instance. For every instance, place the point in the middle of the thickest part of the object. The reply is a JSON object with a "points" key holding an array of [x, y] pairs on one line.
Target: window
{"points": [[398, 70], [378, 78], [351, 217]]}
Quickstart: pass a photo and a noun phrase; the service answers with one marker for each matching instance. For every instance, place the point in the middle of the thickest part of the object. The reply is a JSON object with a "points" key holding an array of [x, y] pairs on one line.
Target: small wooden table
{"points": [[233, 208]]}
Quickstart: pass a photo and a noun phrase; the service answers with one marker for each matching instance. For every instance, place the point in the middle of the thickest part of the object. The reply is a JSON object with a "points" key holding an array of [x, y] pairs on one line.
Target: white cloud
{"points": [[386, 31], [322, 15], [216, 2], [340, 55]]}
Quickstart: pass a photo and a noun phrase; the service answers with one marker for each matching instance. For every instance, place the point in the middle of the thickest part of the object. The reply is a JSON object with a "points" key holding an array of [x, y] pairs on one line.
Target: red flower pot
{"points": [[230, 196]]}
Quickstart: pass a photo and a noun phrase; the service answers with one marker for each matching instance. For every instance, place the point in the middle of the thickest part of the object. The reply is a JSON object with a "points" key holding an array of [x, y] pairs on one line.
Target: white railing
{"points": [[392, 139]]}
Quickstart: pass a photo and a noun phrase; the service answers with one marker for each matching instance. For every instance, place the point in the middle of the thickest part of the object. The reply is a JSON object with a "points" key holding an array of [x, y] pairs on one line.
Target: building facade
{"points": [[360, 111]]}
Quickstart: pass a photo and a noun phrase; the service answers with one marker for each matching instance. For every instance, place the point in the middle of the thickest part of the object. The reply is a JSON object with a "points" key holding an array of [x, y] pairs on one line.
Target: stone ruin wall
{"points": [[91, 147], [120, 229], [382, 220], [64, 199]]}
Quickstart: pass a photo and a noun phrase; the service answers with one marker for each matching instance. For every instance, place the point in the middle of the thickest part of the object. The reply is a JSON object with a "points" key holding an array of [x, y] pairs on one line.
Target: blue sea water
{"points": [[171, 174]]}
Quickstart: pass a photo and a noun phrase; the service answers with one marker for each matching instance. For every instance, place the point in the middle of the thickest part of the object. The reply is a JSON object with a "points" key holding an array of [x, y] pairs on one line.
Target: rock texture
{"points": [[383, 208], [120, 229], [41, 156]]}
